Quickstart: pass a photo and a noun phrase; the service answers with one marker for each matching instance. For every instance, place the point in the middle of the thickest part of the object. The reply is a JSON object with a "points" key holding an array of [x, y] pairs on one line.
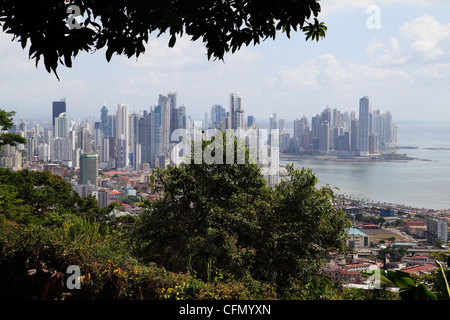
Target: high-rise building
{"points": [[134, 130], [172, 109], [164, 113], [84, 141], [373, 142], [123, 134], [387, 129], [251, 121], [104, 198], [324, 142], [60, 126], [300, 126], [180, 117], [105, 150], [236, 110], [122, 159], [316, 122], [377, 124], [218, 113], [145, 126], [105, 123], [156, 134], [137, 156], [58, 107], [89, 169], [354, 145], [364, 125], [437, 228]]}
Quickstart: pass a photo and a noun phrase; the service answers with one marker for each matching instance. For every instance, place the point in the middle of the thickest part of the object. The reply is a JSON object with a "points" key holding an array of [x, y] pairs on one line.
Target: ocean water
{"points": [[415, 183]]}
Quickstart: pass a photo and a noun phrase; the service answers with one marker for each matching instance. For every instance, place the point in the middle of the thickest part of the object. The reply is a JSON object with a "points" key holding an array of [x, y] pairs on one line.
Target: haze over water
{"points": [[416, 183]]}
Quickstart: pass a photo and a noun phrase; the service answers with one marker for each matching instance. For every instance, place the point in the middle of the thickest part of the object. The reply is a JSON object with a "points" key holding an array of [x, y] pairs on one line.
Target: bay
{"points": [[416, 183]]}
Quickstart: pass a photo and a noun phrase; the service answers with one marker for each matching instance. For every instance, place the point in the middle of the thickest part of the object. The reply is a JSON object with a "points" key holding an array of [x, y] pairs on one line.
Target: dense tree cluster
{"points": [[224, 219]]}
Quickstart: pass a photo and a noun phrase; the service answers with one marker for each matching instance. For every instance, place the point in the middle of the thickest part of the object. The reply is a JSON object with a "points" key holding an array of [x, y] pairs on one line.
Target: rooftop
{"points": [[423, 268], [355, 232]]}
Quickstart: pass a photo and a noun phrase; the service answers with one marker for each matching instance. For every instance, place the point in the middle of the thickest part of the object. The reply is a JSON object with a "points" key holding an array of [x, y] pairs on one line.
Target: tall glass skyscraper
{"points": [[364, 125], [156, 134], [89, 169], [236, 110], [123, 135], [58, 107]]}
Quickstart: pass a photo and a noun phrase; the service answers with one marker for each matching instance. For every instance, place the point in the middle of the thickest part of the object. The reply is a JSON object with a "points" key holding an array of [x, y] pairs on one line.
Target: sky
{"points": [[396, 52]]}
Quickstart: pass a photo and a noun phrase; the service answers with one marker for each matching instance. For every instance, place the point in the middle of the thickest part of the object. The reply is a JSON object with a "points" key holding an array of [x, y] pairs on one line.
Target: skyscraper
{"points": [[58, 107], [156, 134], [387, 129], [272, 127], [89, 169], [251, 121], [299, 128], [172, 108], [84, 141], [105, 123], [165, 104], [180, 117], [236, 110], [364, 125], [354, 145], [373, 142], [60, 126], [324, 142], [217, 114], [122, 133], [145, 126]]}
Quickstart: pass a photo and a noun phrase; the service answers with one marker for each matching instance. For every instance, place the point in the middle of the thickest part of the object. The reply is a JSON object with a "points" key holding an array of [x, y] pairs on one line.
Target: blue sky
{"points": [[404, 68]]}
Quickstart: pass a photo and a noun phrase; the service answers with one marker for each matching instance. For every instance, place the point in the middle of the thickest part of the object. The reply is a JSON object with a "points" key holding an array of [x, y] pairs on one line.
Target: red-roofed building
{"points": [[336, 273], [420, 270], [414, 224], [370, 226], [417, 260]]}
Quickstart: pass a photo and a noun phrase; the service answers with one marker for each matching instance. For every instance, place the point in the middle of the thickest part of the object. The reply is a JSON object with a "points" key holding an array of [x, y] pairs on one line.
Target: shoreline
{"points": [[300, 157], [286, 157]]}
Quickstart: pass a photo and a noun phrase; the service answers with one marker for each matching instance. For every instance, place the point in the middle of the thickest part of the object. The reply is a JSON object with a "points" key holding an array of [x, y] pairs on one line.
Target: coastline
{"points": [[380, 158]]}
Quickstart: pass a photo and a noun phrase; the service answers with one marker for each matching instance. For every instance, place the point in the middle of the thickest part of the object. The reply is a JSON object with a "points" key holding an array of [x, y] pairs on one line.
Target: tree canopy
{"points": [[223, 219], [59, 30]]}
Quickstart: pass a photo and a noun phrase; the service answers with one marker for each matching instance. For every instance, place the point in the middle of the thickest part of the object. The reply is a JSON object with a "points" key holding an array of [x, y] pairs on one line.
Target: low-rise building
{"points": [[417, 260], [336, 273], [357, 239], [421, 270]]}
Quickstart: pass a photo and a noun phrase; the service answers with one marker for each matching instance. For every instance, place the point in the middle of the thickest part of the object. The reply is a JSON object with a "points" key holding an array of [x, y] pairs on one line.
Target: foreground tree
{"points": [[223, 219], [56, 32], [299, 230]]}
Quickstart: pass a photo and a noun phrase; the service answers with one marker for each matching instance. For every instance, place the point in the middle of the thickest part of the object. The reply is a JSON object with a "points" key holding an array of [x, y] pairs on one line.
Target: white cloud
{"points": [[327, 70], [427, 36], [391, 53]]}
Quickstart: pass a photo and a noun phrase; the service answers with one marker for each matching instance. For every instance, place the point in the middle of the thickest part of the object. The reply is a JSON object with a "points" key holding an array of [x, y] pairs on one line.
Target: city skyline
{"points": [[403, 64]]}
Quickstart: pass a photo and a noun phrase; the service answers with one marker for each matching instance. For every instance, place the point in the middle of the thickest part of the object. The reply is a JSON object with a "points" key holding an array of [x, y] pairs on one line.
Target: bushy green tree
{"points": [[300, 229], [206, 218], [224, 219]]}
